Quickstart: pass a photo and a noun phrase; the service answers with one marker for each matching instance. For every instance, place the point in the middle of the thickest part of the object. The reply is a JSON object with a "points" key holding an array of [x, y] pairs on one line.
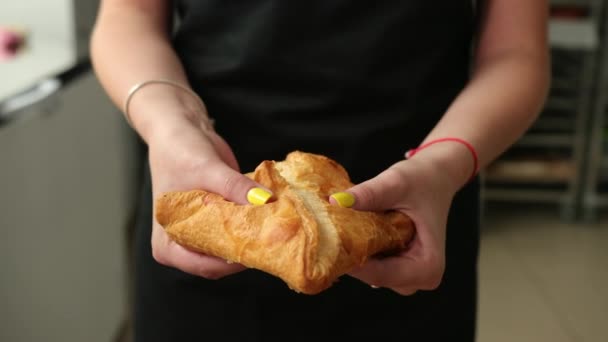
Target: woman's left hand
{"points": [[424, 192]]}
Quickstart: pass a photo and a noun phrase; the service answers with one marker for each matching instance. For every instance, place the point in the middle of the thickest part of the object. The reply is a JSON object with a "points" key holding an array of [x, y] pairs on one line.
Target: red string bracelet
{"points": [[470, 147]]}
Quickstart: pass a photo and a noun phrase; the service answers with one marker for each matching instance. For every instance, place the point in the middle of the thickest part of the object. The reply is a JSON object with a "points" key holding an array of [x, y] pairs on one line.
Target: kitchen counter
{"points": [[50, 43], [40, 59]]}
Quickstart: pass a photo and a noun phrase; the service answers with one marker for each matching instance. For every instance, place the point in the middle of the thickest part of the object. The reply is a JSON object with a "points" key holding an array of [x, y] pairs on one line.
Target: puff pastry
{"points": [[299, 236]]}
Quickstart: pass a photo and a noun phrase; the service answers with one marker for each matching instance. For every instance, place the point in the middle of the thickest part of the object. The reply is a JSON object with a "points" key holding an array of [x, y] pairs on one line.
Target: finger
{"points": [[401, 273], [405, 291], [379, 193], [236, 187], [205, 266], [167, 252]]}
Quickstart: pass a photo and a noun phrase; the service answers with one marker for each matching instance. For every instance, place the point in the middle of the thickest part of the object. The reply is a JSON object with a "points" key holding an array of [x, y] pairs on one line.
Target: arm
{"points": [[507, 89], [130, 44], [127, 33]]}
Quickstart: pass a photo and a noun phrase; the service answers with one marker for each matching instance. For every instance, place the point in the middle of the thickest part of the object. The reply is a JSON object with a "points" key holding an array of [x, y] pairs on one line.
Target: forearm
{"points": [[507, 89], [130, 44], [502, 100]]}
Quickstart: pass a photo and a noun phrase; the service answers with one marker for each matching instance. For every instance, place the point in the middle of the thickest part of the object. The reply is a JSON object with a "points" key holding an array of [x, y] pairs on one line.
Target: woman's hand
{"points": [[190, 156], [423, 190]]}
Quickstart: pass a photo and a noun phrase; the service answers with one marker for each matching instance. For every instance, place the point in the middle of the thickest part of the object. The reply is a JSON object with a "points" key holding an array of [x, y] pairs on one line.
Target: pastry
{"points": [[298, 236]]}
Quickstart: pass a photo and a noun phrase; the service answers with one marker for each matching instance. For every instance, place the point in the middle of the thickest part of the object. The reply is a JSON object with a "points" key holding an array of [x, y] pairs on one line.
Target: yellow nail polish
{"points": [[344, 199], [258, 196]]}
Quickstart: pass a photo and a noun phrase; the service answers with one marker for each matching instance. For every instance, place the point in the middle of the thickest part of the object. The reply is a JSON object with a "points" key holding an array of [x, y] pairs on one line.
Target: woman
{"points": [[360, 82]]}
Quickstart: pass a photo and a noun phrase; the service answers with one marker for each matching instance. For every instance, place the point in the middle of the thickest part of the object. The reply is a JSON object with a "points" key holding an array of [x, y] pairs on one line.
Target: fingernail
{"points": [[344, 199], [258, 196]]}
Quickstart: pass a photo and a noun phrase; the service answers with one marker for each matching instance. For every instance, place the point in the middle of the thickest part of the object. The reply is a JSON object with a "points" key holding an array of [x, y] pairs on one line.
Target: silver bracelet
{"points": [[138, 86]]}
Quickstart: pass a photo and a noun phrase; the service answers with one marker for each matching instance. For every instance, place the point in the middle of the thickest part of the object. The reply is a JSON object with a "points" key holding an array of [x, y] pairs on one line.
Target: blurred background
{"points": [[69, 178]]}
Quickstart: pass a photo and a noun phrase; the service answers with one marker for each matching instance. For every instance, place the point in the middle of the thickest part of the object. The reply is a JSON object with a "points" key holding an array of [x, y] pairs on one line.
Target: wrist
{"points": [[455, 161], [159, 111]]}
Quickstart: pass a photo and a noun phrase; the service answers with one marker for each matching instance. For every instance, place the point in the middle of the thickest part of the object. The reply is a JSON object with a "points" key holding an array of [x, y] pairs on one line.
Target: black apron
{"points": [[360, 82]]}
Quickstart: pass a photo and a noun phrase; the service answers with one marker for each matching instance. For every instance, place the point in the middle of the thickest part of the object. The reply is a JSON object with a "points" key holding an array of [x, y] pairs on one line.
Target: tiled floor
{"points": [[542, 279]]}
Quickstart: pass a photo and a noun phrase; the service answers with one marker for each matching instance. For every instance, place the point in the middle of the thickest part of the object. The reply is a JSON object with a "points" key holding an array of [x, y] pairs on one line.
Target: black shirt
{"points": [[359, 81], [334, 71]]}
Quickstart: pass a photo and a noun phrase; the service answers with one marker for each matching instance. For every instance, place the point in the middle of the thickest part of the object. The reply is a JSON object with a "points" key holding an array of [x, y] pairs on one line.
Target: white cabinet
{"points": [[67, 183]]}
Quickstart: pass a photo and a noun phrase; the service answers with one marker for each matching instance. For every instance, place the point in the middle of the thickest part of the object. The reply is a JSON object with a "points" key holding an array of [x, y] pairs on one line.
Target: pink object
{"points": [[10, 42], [470, 147]]}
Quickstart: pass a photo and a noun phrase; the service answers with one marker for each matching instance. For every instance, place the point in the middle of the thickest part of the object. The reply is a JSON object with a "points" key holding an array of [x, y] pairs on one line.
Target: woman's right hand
{"points": [[130, 44], [190, 155]]}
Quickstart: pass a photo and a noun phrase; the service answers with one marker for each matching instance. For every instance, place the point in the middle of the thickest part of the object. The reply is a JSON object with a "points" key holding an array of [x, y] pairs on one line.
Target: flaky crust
{"points": [[299, 237]]}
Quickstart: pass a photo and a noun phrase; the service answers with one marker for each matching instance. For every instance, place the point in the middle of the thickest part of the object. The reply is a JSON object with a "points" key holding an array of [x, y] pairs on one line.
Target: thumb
{"points": [[236, 187], [380, 193]]}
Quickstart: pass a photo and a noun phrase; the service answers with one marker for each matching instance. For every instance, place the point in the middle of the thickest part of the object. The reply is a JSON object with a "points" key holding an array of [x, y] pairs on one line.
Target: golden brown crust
{"points": [[299, 237]]}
